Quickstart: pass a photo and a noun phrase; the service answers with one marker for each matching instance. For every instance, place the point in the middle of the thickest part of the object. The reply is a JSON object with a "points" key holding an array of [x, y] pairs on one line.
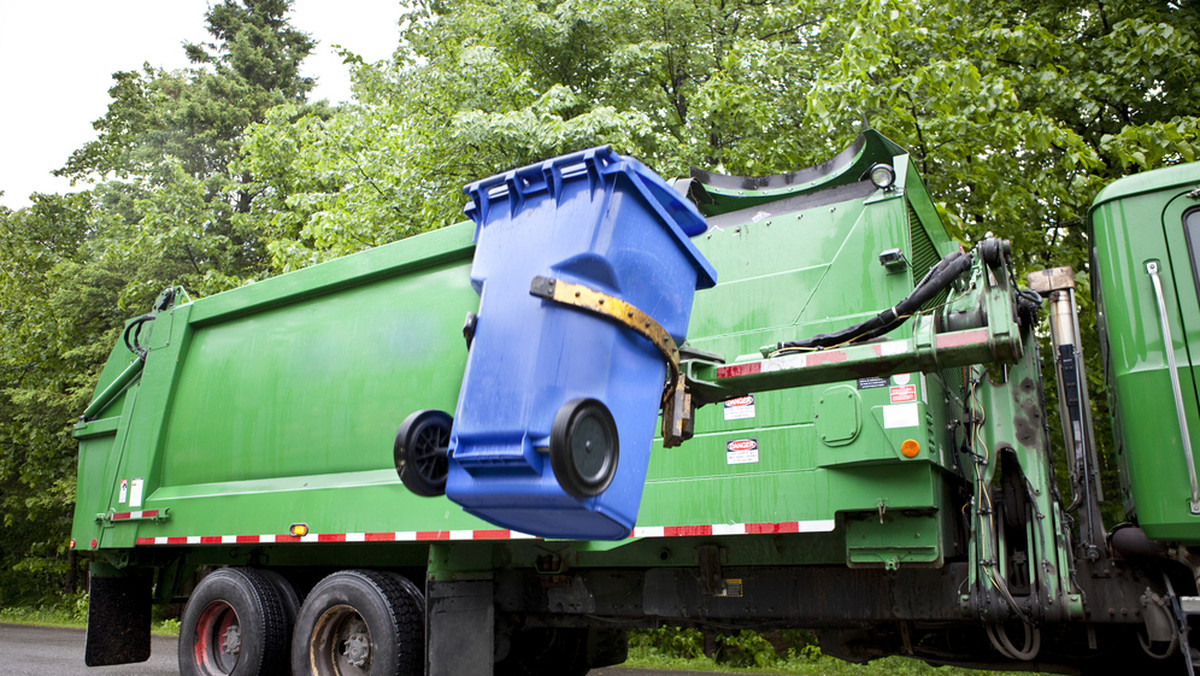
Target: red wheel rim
{"points": [[217, 644]]}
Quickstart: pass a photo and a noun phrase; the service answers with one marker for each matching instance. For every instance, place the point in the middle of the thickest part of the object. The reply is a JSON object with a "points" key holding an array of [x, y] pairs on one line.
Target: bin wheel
{"points": [[360, 622], [234, 623], [420, 452], [584, 447]]}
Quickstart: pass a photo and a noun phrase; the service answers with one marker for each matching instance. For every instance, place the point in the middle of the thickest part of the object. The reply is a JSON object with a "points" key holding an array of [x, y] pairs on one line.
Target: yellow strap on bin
{"points": [[676, 402]]}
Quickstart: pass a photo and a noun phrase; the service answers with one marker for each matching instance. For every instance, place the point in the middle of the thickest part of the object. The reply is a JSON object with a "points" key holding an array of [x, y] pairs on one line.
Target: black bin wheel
{"points": [[420, 452], [584, 447]]}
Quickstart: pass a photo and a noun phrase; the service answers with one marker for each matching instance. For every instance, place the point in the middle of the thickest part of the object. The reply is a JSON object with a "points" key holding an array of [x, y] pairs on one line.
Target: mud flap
{"points": [[459, 635], [118, 628], [606, 647]]}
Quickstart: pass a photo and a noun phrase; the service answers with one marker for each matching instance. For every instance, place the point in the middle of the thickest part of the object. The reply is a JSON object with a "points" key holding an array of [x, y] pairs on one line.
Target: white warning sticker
{"points": [[900, 415], [124, 492], [741, 451], [871, 382], [135, 493], [739, 408]]}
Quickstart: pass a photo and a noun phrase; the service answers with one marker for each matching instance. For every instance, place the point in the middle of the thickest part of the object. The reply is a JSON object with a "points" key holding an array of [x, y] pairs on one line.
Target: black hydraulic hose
{"points": [[133, 332], [938, 278], [135, 328]]}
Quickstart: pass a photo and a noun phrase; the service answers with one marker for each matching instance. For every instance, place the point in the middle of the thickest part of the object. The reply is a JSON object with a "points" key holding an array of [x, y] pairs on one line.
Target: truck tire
{"points": [[235, 624], [414, 592], [287, 596], [360, 622]]}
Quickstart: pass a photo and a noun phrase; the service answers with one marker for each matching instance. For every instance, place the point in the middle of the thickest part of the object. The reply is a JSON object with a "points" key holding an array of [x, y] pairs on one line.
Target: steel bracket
{"points": [[1172, 368], [112, 518]]}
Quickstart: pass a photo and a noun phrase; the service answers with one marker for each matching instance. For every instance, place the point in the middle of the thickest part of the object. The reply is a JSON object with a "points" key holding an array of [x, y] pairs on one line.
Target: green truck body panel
{"points": [[274, 404], [277, 403], [1134, 221]]}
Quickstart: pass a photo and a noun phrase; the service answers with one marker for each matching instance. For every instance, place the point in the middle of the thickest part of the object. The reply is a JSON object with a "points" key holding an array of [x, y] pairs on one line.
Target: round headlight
{"points": [[883, 176]]}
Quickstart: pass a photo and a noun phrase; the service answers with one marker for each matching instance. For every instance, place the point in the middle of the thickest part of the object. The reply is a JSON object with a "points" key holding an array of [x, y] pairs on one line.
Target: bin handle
{"points": [[1169, 344], [676, 401], [534, 178]]}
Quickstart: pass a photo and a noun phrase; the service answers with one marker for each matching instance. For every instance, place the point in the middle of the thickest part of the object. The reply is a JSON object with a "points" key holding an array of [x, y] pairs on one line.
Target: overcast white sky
{"points": [[57, 58]]}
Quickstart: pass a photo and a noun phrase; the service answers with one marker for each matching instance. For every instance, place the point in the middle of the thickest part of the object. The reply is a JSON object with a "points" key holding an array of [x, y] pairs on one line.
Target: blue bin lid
{"points": [[681, 217]]}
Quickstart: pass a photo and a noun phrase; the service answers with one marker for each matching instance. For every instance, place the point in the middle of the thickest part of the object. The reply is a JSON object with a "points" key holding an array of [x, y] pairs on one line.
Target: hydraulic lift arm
{"points": [[979, 325]]}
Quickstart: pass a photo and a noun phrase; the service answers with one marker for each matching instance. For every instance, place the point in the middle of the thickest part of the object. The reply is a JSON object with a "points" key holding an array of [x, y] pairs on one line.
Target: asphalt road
{"points": [[38, 651], [45, 651]]}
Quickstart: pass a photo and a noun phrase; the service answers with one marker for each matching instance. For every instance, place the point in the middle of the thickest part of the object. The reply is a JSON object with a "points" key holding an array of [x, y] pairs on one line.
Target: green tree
{"points": [[75, 266], [479, 87], [196, 116], [52, 322], [1017, 117], [168, 138]]}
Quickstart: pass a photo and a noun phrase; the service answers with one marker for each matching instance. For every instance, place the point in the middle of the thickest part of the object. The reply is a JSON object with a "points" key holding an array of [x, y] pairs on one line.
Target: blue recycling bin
{"points": [[557, 411]]}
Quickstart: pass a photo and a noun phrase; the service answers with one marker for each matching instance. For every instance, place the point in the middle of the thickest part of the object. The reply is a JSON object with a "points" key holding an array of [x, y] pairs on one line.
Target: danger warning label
{"points": [[903, 394], [741, 451], [739, 408]]}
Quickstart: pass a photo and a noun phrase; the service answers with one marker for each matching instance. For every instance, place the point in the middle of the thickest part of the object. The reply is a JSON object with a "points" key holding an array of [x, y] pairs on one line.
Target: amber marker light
{"points": [[910, 448], [298, 529]]}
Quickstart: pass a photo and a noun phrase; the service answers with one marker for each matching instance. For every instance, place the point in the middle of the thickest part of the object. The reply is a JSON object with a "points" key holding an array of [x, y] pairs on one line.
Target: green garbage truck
{"points": [[852, 438]]}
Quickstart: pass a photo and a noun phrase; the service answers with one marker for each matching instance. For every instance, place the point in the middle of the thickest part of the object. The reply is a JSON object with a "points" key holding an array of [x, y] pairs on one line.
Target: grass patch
{"points": [[71, 612], [43, 616], [821, 666], [748, 652]]}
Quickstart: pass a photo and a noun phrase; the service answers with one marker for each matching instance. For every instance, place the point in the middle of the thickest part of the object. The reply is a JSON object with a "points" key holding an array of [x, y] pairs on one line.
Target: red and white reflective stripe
{"points": [[819, 526], [785, 363], [394, 536], [143, 514], [816, 358], [735, 370]]}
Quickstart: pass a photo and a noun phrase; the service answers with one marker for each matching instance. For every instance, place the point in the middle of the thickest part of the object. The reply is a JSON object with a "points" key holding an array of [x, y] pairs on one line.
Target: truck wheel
{"points": [[584, 447], [287, 596], [234, 623], [420, 452], [360, 622], [414, 592]]}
